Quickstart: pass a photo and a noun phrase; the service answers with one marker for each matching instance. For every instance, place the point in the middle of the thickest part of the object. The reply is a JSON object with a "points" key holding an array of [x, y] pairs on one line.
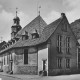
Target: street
{"points": [[62, 77], [8, 78]]}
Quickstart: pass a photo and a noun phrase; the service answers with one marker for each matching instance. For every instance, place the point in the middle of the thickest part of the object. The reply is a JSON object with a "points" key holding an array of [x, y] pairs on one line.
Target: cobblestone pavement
{"points": [[9, 78], [5, 76], [36, 77]]}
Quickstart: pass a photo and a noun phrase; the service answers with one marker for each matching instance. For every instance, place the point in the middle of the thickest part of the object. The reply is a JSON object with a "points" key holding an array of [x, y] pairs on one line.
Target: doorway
{"points": [[44, 65]]}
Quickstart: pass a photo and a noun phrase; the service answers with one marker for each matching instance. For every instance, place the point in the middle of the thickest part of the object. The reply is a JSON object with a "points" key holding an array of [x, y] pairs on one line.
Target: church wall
{"points": [[20, 67], [6, 63], [54, 55], [42, 55]]}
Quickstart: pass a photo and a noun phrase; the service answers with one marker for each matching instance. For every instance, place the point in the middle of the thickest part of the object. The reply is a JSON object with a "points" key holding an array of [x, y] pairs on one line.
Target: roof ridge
{"points": [[54, 26], [38, 17]]}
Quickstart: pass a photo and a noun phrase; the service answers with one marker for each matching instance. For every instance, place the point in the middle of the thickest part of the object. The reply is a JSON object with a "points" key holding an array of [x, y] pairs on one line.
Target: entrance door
{"points": [[11, 61], [11, 65], [44, 65]]}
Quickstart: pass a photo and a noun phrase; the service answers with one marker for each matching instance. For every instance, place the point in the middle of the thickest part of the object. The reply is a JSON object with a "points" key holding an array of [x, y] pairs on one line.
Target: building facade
{"points": [[39, 48]]}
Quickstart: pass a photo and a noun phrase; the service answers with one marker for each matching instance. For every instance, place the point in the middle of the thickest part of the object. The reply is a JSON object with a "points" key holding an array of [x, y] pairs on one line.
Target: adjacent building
{"points": [[75, 26], [40, 48]]}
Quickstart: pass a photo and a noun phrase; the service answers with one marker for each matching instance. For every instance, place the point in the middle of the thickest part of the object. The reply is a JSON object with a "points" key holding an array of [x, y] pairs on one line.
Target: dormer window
{"points": [[35, 34], [10, 42], [4, 46], [13, 41], [16, 39], [7, 44], [25, 35]]}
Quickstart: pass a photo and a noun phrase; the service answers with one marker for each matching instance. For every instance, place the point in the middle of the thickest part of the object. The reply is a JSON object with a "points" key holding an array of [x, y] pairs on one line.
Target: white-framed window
{"points": [[67, 44], [67, 63], [59, 62], [59, 43]]}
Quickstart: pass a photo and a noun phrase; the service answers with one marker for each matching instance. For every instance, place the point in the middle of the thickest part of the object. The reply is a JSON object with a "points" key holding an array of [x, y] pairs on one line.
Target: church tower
{"points": [[16, 26]]}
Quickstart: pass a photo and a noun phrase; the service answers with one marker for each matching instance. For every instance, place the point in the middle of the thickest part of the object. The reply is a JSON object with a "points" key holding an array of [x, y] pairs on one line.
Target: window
{"points": [[7, 59], [68, 45], [24, 37], [59, 61], [4, 60], [25, 56], [11, 56], [14, 29], [67, 63], [44, 65], [59, 42], [35, 35]]}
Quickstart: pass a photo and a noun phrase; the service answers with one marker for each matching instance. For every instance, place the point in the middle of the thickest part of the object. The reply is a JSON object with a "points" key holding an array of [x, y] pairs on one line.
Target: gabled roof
{"points": [[46, 33], [76, 28], [38, 23]]}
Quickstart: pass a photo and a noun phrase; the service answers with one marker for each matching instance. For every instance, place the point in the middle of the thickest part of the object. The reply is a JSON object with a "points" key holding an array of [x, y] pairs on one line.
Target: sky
{"points": [[28, 9]]}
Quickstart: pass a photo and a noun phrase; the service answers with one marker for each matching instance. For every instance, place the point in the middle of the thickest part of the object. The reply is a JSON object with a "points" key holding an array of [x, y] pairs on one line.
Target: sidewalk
{"points": [[22, 76], [36, 77]]}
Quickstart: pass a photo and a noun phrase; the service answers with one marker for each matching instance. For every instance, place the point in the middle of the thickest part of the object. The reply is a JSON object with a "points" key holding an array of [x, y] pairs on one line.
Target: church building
{"points": [[39, 48]]}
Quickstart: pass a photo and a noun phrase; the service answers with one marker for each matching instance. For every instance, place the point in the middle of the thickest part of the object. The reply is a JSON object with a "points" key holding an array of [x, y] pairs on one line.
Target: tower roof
{"points": [[38, 23], [16, 18]]}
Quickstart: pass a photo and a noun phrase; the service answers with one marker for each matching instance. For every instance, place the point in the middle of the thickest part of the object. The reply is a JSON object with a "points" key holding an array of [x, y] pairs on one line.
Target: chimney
{"points": [[62, 15]]}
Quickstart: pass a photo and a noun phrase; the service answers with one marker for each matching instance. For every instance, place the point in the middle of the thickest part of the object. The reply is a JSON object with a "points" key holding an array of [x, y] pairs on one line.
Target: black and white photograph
{"points": [[39, 39]]}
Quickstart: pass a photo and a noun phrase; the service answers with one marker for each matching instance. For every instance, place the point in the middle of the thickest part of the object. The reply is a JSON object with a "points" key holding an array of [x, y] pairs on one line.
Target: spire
{"points": [[16, 19], [39, 9], [16, 25], [16, 11]]}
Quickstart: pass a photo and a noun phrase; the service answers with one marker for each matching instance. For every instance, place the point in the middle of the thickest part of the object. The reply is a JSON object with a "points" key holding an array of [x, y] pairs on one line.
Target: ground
{"points": [[33, 77]]}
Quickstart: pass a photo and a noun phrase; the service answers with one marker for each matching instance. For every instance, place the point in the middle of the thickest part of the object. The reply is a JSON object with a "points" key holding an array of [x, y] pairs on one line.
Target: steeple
{"points": [[39, 9], [16, 12], [16, 25], [16, 19]]}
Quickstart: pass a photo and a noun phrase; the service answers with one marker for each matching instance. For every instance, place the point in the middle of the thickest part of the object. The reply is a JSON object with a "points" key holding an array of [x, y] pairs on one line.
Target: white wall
{"points": [[42, 55]]}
